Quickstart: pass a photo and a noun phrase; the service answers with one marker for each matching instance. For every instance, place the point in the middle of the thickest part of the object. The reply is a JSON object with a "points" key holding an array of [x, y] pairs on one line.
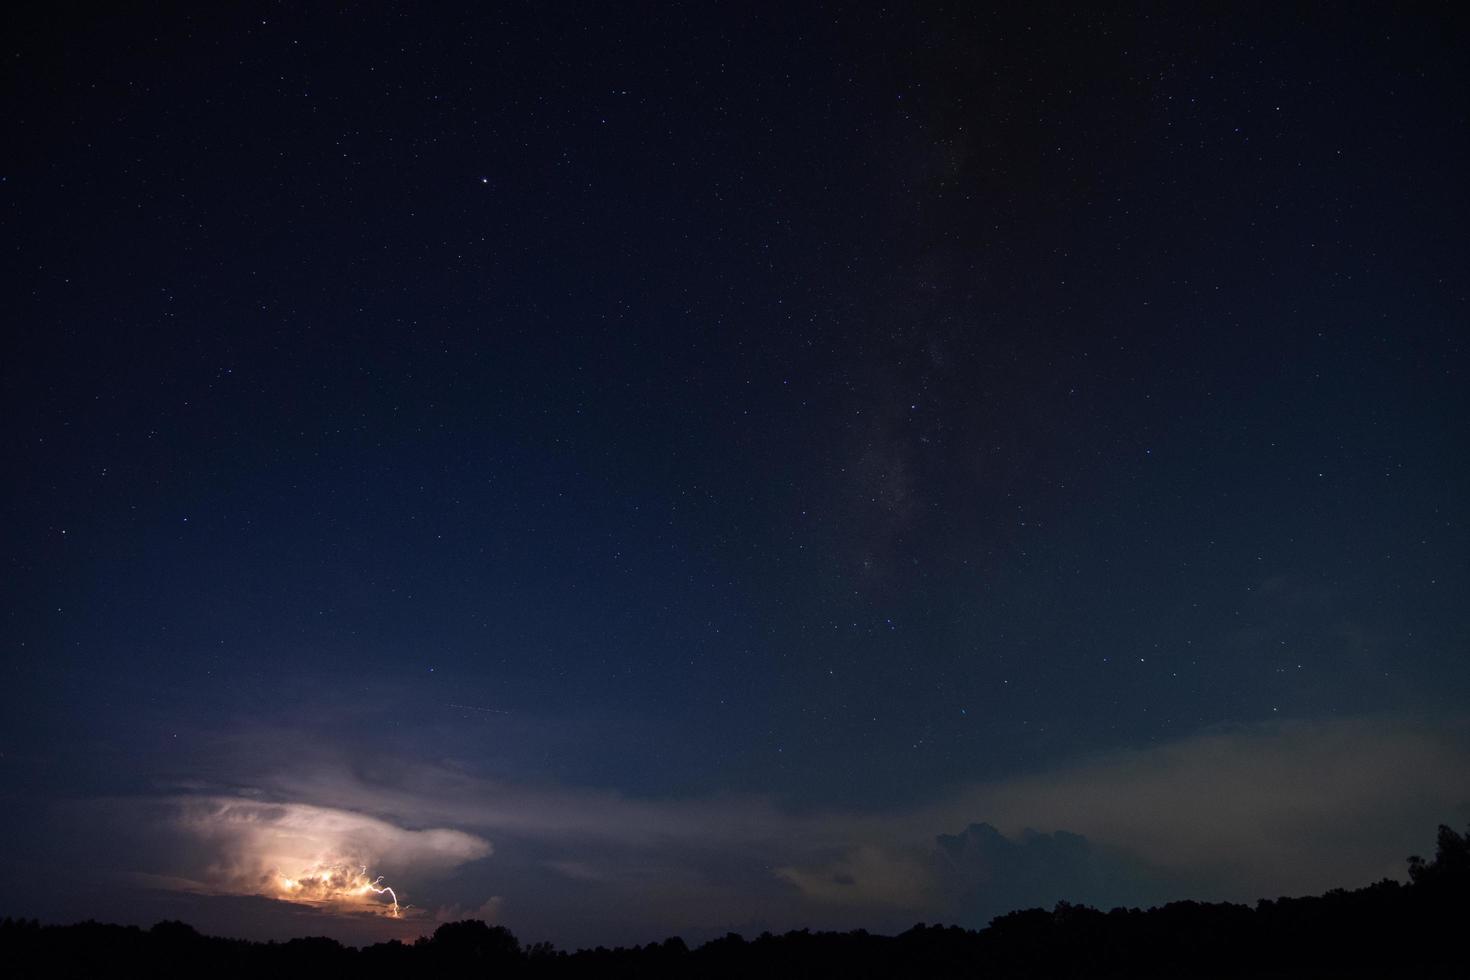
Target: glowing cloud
{"points": [[336, 885], [313, 855]]}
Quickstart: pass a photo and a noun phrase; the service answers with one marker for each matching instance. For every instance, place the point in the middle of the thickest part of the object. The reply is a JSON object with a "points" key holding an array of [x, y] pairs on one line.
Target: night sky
{"points": [[619, 471]]}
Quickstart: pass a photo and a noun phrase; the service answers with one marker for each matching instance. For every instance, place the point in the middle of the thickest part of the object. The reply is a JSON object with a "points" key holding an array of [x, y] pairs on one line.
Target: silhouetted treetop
{"points": [[1385, 929], [1451, 864]]}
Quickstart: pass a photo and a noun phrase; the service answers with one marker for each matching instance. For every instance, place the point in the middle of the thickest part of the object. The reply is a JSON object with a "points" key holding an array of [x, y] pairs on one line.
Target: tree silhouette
{"points": [[472, 944], [1451, 864], [1385, 929]]}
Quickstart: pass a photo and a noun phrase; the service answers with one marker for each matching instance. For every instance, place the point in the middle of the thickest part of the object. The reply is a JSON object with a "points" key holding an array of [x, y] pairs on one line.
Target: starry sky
{"points": [[625, 472]]}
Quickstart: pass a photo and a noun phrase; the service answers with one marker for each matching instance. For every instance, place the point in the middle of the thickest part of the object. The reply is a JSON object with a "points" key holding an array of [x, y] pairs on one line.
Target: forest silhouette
{"points": [[1388, 929]]}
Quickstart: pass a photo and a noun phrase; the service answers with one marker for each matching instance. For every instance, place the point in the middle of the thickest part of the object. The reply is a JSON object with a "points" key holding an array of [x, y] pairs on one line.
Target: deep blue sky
{"points": [[549, 424]]}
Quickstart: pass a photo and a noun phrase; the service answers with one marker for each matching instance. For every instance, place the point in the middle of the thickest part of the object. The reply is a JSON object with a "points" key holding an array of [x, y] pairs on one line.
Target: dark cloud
{"points": [[982, 873], [1292, 807]]}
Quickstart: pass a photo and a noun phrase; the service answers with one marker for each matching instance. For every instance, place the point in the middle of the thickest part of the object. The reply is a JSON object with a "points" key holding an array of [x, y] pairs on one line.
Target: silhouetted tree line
{"points": [[1385, 930]]}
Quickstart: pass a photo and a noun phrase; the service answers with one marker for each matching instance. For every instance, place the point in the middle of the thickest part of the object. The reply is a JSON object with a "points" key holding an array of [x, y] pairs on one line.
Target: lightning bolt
{"points": [[385, 890], [335, 884]]}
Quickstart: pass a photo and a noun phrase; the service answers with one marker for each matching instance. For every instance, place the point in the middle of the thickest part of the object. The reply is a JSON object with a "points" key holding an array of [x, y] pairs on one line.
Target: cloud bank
{"points": [[1260, 811]]}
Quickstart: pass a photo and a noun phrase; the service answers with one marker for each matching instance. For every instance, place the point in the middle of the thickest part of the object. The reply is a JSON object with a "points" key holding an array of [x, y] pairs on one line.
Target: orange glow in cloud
{"points": [[318, 856], [338, 885]]}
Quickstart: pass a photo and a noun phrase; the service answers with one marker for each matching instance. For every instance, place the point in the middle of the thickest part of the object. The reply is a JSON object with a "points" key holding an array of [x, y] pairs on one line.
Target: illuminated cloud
{"points": [[313, 855]]}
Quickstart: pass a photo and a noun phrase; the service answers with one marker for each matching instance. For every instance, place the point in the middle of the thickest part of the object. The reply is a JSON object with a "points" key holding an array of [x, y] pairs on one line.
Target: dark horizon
{"points": [[710, 470], [1384, 929]]}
